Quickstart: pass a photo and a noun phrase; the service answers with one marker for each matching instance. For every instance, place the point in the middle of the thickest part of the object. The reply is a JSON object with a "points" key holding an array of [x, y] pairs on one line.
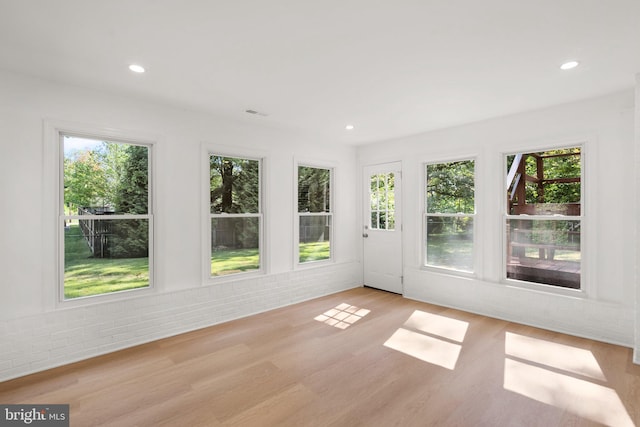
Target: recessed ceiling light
{"points": [[136, 68], [349, 127], [569, 65]]}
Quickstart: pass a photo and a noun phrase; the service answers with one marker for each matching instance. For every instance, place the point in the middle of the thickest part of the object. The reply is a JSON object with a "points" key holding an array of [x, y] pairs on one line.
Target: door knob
{"points": [[365, 235]]}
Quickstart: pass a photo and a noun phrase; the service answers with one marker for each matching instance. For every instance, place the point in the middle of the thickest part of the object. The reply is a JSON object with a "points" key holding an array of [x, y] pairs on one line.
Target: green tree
{"points": [[113, 158], [131, 237], [132, 186], [235, 189], [235, 185], [314, 192], [84, 180], [450, 187], [559, 164]]}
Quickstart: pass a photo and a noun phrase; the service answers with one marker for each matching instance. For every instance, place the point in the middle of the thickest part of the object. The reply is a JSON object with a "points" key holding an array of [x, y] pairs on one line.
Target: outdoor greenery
{"points": [[107, 175], [450, 251], [553, 188], [110, 178], [554, 164], [234, 189], [235, 185], [314, 251], [85, 275], [563, 234], [450, 187], [230, 261], [105, 178], [382, 200], [314, 208], [314, 189], [450, 203]]}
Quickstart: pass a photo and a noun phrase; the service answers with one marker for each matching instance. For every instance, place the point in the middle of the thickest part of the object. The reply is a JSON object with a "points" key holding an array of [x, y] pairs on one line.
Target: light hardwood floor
{"points": [[390, 362]]}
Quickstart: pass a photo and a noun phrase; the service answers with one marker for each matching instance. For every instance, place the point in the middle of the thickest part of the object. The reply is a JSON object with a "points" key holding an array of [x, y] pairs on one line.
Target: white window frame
{"points": [[208, 150], [474, 216], [298, 215], [54, 132], [586, 219]]}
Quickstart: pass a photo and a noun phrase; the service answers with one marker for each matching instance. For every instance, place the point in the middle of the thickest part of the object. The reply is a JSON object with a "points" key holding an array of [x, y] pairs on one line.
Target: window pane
{"points": [[391, 195], [374, 221], [315, 235], [235, 245], [374, 201], [314, 189], [234, 185], [103, 256], [545, 183], [544, 251], [450, 242], [391, 221], [105, 177], [450, 187], [382, 201]]}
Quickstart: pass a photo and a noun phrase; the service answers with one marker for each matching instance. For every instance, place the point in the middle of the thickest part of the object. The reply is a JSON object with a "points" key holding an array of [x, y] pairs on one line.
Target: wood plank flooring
{"points": [[358, 358]]}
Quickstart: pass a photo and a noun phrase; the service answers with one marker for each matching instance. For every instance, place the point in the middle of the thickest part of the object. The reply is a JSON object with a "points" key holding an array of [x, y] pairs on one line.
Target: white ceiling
{"points": [[390, 67]]}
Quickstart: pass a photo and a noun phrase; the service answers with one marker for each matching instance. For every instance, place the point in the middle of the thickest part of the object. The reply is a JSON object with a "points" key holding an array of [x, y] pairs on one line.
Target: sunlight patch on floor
{"points": [[342, 316], [560, 375], [559, 356], [431, 338], [426, 348], [435, 324]]}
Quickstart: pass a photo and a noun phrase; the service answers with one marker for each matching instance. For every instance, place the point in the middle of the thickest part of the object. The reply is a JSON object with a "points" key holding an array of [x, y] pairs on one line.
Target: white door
{"points": [[382, 230]]}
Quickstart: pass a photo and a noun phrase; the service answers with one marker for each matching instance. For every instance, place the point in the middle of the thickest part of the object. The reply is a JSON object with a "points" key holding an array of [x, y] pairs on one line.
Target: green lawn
{"points": [[230, 261], [314, 251], [86, 276], [444, 250], [559, 254]]}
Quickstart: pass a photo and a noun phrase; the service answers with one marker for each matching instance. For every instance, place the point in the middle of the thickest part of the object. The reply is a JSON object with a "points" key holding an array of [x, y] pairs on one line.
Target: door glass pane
{"points": [[391, 220], [382, 201], [374, 220]]}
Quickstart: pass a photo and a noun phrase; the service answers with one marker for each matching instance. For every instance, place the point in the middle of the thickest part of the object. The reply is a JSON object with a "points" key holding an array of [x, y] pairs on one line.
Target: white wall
{"points": [[36, 334], [607, 310], [636, 353]]}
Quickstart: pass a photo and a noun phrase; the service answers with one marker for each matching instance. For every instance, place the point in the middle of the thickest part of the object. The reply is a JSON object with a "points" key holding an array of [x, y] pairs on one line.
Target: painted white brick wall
{"points": [[35, 343], [583, 317]]}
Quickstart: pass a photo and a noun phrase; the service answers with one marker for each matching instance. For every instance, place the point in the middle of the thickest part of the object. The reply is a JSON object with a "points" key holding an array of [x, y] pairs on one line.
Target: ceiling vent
{"points": [[257, 113]]}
